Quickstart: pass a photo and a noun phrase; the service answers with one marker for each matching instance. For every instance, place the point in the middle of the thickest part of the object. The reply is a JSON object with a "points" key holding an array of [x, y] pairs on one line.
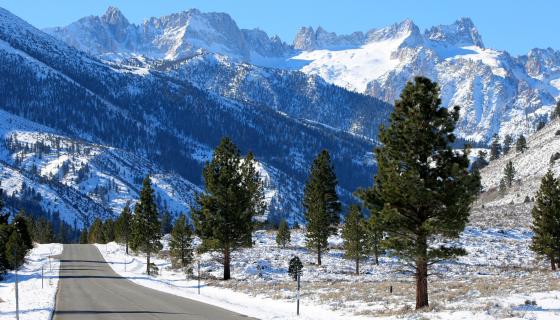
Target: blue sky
{"points": [[514, 25]]}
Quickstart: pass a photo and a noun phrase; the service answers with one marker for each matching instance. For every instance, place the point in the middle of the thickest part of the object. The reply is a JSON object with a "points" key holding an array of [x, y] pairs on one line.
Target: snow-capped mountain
{"points": [[163, 118], [498, 93], [170, 37]]}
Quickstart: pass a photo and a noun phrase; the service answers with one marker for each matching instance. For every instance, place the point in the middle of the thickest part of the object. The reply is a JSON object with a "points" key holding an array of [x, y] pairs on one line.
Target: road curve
{"points": [[89, 289]]}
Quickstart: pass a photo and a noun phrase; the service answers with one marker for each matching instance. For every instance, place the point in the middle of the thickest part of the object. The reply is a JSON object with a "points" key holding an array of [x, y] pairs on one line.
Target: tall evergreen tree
{"points": [[3, 215], [5, 231], [42, 230], [146, 229], [96, 234], [19, 243], [84, 236], [508, 140], [321, 204], [123, 226], [166, 223], [234, 195], [509, 174], [109, 230], [521, 144], [283, 236], [425, 185], [546, 219], [180, 245], [495, 148], [354, 235]]}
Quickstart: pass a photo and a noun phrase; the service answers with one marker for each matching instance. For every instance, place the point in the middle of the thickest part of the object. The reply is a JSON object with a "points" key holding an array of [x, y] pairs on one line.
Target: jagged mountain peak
{"points": [[462, 32], [406, 30], [170, 37], [309, 38], [114, 16]]}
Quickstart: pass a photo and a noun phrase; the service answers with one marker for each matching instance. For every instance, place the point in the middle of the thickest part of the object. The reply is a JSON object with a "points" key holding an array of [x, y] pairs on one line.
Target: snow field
{"points": [[492, 282], [35, 302]]}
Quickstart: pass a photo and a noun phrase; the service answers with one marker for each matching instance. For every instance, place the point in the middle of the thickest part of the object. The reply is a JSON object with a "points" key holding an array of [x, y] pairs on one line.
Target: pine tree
{"points": [[234, 195], [425, 185], [3, 216], [321, 204], [19, 242], [109, 230], [96, 234], [546, 219], [145, 235], [5, 231], [283, 236], [502, 188], [123, 226], [509, 174], [166, 223], [42, 230], [521, 144], [84, 236], [508, 140], [354, 235], [294, 268], [180, 245], [495, 148]]}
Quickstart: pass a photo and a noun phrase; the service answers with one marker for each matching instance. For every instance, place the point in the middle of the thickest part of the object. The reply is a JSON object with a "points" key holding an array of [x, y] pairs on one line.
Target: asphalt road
{"points": [[89, 289]]}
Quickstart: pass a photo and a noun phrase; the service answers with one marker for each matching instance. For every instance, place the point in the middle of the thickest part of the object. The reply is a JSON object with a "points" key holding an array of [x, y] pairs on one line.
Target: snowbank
{"points": [[35, 303]]}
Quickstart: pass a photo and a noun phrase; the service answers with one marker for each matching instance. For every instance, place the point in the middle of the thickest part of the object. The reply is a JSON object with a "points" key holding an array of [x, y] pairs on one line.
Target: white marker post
{"points": [[17, 284], [298, 288]]}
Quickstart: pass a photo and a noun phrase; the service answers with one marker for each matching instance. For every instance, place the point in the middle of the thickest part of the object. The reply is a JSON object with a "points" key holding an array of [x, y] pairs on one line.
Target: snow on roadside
{"points": [[35, 303], [174, 282]]}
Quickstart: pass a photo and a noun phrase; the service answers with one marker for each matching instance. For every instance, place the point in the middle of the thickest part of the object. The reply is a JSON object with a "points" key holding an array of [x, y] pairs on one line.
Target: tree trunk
{"points": [[148, 263], [552, 263], [421, 282], [319, 254], [227, 274]]}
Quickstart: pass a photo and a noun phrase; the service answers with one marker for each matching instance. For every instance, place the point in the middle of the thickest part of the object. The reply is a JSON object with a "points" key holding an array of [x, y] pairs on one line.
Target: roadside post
{"points": [[298, 289], [198, 273], [17, 284]]}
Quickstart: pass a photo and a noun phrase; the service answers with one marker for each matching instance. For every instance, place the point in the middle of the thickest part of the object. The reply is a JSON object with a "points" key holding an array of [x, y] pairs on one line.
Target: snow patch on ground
{"points": [[35, 303], [175, 282]]}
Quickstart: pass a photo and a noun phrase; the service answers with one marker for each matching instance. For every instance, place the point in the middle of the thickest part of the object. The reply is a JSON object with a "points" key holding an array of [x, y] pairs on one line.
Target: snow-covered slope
{"points": [[513, 207], [291, 92], [78, 179]]}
